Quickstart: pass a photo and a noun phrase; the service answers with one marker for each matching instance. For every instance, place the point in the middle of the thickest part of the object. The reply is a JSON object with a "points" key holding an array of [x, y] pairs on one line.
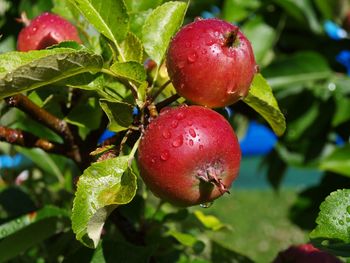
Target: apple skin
{"points": [[305, 253], [182, 144], [211, 63], [46, 30]]}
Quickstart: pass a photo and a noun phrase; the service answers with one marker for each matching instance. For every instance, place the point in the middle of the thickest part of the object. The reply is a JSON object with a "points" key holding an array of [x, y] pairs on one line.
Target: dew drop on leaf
{"points": [[348, 209]]}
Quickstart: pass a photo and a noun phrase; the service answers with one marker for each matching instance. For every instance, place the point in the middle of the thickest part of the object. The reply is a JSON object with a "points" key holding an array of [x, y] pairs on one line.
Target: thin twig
{"points": [[167, 101], [160, 90]]}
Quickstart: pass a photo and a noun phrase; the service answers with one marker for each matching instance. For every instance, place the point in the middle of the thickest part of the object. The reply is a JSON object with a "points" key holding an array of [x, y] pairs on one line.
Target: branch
{"points": [[46, 118], [26, 139], [39, 114]]}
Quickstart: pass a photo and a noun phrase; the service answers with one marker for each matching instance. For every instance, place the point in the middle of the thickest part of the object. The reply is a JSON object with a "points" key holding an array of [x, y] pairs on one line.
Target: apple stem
{"points": [[231, 38], [24, 19]]}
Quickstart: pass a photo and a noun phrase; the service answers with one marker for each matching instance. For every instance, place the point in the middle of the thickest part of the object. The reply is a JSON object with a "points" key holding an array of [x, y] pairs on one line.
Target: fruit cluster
{"points": [[190, 154]]}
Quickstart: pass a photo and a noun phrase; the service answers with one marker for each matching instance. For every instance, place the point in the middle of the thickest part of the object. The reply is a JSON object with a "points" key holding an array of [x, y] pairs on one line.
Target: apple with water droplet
{"points": [[189, 155], [305, 253], [210, 62], [45, 30]]}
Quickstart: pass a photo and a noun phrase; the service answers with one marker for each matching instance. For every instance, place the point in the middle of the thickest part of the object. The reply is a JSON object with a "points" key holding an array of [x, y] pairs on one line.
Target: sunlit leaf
{"points": [[109, 17], [261, 99], [102, 187], [333, 224], [160, 26], [22, 71], [338, 161]]}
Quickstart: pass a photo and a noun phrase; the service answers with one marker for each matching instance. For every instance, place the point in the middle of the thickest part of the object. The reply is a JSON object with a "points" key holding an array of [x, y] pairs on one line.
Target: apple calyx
{"points": [[211, 174], [231, 39]]}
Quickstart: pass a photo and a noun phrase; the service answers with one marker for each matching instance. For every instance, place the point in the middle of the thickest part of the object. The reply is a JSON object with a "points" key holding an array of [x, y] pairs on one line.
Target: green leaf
{"points": [[255, 30], [102, 187], [209, 221], [303, 11], [219, 253], [183, 238], [261, 99], [132, 48], [121, 251], [43, 160], [21, 71], [160, 26], [137, 20], [130, 70], [65, 9], [109, 17], [142, 5], [118, 113], [338, 161], [301, 68], [86, 115], [333, 224], [37, 225], [342, 113], [237, 10]]}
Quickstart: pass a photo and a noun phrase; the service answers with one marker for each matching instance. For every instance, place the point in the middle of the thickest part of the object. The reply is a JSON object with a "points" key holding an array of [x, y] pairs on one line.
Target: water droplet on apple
{"points": [[178, 142], [190, 142], [187, 44], [204, 51], [174, 123], [153, 160], [198, 18], [180, 116], [192, 57], [34, 28], [181, 65], [190, 123], [164, 156], [166, 134], [209, 42], [206, 205], [192, 132], [201, 147]]}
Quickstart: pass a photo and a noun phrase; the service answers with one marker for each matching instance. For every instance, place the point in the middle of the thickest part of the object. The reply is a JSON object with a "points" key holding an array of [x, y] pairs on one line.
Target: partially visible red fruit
{"points": [[305, 253], [210, 62], [46, 30], [189, 155]]}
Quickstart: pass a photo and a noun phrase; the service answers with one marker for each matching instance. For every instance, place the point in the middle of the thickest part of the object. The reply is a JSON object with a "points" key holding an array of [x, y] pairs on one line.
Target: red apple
{"points": [[189, 155], [210, 62], [305, 253], [46, 30]]}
